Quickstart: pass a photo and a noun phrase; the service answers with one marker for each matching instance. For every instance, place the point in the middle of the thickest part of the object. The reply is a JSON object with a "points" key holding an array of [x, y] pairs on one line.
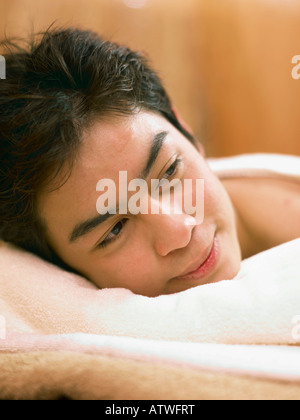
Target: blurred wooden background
{"points": [[227, 64]]}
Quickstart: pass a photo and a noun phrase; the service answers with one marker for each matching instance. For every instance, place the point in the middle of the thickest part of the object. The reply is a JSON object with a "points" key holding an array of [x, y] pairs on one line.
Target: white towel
{"points": [[260, 306]]}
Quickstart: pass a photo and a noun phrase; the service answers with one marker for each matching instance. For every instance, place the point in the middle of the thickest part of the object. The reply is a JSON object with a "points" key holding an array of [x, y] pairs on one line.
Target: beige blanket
{"points": [[63, 375]]}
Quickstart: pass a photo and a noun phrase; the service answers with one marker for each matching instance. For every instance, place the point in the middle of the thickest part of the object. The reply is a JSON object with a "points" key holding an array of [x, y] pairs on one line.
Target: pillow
{"points": [[259, 306]]}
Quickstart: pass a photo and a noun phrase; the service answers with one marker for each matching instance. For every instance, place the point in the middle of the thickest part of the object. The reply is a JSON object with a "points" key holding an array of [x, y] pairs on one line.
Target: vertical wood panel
{"points": [[227, 64], [252, 102]]}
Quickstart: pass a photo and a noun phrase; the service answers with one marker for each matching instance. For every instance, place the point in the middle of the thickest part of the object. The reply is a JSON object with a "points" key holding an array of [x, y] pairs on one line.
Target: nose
{"points": [[169, 231]]}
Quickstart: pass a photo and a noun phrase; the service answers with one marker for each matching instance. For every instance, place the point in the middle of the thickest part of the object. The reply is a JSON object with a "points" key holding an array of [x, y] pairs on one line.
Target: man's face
{"points": [[150, 254]]}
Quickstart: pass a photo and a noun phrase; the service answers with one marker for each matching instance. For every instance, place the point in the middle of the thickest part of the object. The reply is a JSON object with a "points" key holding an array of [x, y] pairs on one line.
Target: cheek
{"points": [[220, 205], [217, 204], [214, 195], [128, 268]]}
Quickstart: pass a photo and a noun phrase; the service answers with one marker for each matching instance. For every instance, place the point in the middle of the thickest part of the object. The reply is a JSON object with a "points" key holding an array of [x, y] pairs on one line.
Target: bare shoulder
{"points": [[270, 207]]}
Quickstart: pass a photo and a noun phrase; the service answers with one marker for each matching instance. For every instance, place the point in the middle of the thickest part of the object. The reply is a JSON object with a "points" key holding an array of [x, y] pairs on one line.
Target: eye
{"points": [[172, 170], [114, 234]]}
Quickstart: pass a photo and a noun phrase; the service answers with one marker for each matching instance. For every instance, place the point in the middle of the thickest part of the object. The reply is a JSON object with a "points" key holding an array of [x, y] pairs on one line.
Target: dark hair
{"points": [[56, 86]]}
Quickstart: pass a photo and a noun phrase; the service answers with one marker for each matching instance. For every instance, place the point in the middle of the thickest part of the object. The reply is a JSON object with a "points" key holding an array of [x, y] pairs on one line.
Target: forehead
{"points": [[118, 144], [114, 143], [108, 146]]}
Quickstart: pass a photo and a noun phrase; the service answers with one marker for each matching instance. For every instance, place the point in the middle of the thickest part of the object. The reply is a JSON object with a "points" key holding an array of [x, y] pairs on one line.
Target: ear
{"points": [[200, 148], [181, 120], [198, 144]]}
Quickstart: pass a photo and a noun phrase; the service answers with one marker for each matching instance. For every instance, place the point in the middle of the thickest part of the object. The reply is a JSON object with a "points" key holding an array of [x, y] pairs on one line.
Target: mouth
{"points": [[202, 269]]}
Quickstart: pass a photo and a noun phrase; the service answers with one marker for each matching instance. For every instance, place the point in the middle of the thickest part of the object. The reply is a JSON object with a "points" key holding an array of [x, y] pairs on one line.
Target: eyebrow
{"points": [[83, 228]]}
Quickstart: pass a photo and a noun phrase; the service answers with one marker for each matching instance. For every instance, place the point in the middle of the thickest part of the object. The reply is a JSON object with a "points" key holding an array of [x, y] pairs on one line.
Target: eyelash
{"points": [[106, 242], [174, 167]]}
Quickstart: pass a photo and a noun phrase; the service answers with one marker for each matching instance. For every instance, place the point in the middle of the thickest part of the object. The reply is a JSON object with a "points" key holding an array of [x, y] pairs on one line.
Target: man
{"points": [[76, 110]]}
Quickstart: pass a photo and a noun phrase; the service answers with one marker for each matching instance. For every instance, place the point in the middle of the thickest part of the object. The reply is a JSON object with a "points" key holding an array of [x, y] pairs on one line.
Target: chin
{"points": [[230, 268]]}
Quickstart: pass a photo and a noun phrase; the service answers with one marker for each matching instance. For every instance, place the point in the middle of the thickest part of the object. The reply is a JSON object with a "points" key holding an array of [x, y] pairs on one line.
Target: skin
{"points": [[150, 251]]}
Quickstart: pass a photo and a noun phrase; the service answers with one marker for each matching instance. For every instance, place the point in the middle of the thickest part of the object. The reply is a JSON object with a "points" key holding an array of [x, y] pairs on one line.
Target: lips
{"points": [[204, 266]]}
